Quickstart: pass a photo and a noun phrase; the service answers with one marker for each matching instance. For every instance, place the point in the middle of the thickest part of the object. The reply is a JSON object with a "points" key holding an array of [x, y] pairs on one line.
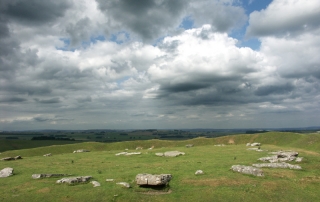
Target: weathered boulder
{"points": [[6, 172], [173, 153], [109, 180], [95, 183], [124, 184], [17, 157], [155, 180], [247, 170], [189, 145], [80, 151], [255, 144], [47, 154], [248, 144], [277, 165], [199, 172], [38, 176], [74, 180]]}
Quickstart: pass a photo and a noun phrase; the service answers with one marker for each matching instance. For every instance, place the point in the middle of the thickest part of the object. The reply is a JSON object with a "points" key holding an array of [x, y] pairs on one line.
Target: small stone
{"points": [[124, 184], [159, 154], [189, 145], [199, 172], [38, 176], [47, 154], [95, 183], [109, 180]]}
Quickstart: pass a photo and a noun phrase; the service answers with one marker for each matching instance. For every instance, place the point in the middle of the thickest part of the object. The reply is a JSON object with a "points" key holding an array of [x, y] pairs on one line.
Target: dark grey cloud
{"points": [[79, 31], [13, 99], [34, 12], [217, 14], [48, 101], [149, 19], [274, 89]]}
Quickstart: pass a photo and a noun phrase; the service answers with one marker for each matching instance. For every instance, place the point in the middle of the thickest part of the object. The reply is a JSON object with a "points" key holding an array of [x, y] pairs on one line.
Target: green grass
{"points": [[217, 184]]}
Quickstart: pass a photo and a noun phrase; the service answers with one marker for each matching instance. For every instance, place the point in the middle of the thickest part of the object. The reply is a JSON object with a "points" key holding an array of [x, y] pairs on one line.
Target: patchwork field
{"points": [[218, 183]]}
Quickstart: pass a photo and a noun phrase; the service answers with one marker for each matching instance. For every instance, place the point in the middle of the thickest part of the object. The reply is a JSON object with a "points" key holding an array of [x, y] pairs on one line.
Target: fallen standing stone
{"points": [[247, 170], [81, 151], [128, 153], [38, 176], [155, 180], [173, 153], [6, 172], [74, 180], [277, 165]]}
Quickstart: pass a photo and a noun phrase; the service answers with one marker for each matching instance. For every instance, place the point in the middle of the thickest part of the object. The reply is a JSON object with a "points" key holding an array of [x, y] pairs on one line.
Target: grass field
{"points": [[217, 184]]}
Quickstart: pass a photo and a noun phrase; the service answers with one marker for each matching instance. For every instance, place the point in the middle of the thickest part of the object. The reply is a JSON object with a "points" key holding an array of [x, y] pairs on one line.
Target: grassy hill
{"points": [[217, 184]]}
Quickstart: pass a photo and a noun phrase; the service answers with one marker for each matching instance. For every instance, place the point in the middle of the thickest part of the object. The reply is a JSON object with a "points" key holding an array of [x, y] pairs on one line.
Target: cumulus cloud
{"points": [[285, 17], [133, 64]]}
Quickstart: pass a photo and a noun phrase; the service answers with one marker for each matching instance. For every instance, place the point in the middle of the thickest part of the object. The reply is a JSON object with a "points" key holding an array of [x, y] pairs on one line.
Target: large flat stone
{"points": [[155, 180], [74, 180]]}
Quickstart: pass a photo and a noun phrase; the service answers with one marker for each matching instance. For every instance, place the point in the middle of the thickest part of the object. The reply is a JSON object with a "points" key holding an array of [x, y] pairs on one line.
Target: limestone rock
{"points": [[247, 170], [277, 165], [47, 154], [38, 176], [109, 180], [95, 183], [81, 151], [189, 145], [219, 145], [139, 148], [6, 172], [299, 159], [124, 184], [255, 144], [155, 180], [73, 180], [248, 144], [173, 153], [199, 172]]}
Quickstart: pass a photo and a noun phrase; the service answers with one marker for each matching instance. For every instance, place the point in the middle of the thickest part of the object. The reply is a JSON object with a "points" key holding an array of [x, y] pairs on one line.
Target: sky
{"points": [[142, 64]]}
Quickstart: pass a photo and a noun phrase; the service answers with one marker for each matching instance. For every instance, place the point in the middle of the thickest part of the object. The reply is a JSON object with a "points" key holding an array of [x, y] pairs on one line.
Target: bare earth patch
{"points": [[44, 190]]}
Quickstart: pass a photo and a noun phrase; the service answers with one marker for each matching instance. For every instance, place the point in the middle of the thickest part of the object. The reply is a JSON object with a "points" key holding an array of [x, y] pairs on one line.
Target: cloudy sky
{"points": [[124, 64]]}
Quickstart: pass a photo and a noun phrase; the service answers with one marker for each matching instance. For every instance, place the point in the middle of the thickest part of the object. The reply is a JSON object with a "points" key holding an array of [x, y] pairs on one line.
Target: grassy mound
{"points": [[217, 184]]}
